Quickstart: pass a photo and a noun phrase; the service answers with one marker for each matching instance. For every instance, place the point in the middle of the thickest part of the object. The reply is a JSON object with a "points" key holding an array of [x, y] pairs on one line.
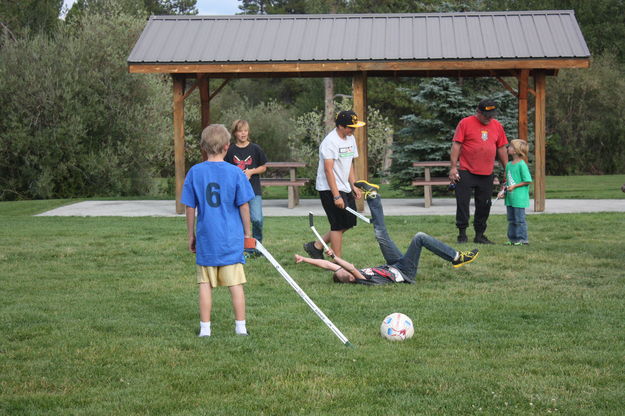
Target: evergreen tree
{"points": [[440, 103]]}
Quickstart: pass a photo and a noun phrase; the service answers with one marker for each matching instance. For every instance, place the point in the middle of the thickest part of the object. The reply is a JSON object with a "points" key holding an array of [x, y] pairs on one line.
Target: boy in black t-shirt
{"points": [[251, 159], [400, 267]]}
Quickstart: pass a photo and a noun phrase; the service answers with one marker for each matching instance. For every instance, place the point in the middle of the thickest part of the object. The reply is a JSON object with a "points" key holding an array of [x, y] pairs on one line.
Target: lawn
{"points": [[99, 317]]}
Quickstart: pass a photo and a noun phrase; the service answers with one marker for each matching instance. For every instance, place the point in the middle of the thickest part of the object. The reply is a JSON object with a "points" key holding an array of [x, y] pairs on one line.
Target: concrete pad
{"points": [[278, 207]]}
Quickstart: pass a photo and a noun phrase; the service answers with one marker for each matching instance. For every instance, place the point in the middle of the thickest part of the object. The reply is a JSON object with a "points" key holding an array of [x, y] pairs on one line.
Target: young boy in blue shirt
{"points": [[220, 192]]}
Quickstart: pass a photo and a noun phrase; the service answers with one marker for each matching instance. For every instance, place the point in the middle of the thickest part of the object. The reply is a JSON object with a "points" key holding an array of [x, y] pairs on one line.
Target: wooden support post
{"points": [[359, 92], [427, 189], [523, 86], [540, 83], [178, 108], [203, 85], [293, 192]]}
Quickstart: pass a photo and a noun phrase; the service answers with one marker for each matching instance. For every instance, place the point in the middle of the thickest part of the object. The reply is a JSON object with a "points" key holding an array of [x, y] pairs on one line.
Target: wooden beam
{"points": [[205, 110], [223, 84], [357, 66], [522, 96], [540, 83], [178, 108], [189, 91], [359, 92], [507, 86]]}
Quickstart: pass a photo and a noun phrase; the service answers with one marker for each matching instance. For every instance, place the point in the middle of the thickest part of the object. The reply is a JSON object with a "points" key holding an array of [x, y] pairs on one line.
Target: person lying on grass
{"points": [[400, 267]]}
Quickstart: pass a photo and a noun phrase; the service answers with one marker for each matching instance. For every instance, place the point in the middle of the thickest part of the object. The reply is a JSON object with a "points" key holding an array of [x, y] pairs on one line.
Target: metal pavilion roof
{"points": [[356, 38]]}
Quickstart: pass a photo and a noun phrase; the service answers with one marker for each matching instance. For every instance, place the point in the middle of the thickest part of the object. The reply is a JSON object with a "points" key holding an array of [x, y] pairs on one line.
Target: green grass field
{"points": [[99, 317]]}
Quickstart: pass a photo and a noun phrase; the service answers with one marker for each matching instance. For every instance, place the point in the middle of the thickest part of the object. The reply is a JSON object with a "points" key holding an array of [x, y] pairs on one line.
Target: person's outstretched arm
{"points": [[321, 263], [345, 265]]}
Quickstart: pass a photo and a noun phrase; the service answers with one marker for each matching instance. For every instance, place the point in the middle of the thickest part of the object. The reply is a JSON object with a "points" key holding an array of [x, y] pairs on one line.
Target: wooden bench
{"points": [[437, 181], [291, 182]]}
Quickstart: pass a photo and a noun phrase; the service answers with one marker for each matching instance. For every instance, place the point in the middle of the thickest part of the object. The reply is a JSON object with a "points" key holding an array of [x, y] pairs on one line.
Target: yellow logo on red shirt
{"points": [[484, 135]]}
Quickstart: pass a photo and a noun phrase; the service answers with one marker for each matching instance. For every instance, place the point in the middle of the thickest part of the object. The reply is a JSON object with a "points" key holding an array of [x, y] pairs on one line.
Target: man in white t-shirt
{"points": [[335, 180]]}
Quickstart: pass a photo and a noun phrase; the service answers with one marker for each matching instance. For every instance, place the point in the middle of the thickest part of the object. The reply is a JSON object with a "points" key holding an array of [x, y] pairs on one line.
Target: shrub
{"points": [[91, 130]]}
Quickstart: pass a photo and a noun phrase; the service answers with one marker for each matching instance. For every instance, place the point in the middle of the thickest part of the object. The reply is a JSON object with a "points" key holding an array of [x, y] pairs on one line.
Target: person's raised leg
{"points": [[387, 246], [409, 263]]}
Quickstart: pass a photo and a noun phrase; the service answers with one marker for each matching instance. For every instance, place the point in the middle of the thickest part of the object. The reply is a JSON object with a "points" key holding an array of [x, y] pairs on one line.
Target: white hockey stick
{"points": [[302, 294], [359, 215], [311, 221]]}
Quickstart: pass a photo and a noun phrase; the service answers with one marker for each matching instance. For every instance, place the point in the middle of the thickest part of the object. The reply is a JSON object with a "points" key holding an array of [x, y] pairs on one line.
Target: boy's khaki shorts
{"points": [[230, 275]]}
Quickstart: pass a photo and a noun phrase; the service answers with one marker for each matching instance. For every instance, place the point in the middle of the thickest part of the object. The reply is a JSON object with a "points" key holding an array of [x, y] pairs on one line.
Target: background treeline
{"points": [[74, 122]]}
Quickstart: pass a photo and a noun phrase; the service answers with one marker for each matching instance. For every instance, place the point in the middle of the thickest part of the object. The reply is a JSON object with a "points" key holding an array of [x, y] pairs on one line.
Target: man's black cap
{"points": [[487, 107]]}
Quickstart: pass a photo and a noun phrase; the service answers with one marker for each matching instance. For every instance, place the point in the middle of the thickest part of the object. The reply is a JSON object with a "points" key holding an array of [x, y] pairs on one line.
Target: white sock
{"points": [[205, 329], [457, 256], [239, 327]]}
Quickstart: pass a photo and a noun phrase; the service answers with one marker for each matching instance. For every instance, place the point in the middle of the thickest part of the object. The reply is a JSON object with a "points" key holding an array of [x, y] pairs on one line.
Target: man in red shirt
{"points": [[477, 141]]}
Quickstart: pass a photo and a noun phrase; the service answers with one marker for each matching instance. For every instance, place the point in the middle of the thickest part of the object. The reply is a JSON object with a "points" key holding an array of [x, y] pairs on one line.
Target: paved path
{"points": [[277, 207]]}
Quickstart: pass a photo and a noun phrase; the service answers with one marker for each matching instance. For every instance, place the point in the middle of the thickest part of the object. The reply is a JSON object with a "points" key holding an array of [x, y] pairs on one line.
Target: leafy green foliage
{"points": [[137, 8], [92, 129], [269, 126], [273, 6], [20, 17], [586, 130]]}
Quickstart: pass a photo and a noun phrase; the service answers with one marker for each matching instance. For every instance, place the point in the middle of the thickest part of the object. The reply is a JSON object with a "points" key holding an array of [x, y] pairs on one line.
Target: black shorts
{"points": [[339, 219]]}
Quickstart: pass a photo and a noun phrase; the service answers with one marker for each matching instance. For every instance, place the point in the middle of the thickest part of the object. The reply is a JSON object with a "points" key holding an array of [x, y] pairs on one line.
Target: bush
{"points": [[93, 128], [586, 130], [270, 123]]}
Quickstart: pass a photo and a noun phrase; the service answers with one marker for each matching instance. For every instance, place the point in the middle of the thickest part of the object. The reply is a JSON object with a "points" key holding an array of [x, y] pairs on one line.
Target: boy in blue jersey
{"points": [[220, 192]]}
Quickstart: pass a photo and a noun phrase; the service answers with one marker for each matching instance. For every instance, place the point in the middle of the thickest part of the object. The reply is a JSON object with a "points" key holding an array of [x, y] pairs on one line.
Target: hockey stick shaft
{"points": [[311, 221], [359, 215], [302, 294]]}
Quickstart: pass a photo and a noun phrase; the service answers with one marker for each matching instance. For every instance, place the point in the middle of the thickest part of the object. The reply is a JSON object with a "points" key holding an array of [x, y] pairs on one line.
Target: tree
{"points": [[273, 6], [93, 129], [24, 16], [586, 130], [601, 21], [138, 8]]}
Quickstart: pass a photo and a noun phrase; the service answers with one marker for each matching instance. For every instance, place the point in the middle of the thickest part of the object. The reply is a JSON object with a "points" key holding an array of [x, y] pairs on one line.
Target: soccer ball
{"points": [[397, 327]]}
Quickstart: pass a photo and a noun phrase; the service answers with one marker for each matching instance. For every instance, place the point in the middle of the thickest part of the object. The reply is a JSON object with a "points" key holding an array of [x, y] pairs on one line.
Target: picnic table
{"points": [[292, 181], [428, 181]]}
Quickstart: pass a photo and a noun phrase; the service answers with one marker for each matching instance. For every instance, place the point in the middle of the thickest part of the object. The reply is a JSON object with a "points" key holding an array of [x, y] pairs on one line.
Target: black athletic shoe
{"points": [[466, 257], [313, 251], [462, 238], [371, 189], [482, 239]]}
